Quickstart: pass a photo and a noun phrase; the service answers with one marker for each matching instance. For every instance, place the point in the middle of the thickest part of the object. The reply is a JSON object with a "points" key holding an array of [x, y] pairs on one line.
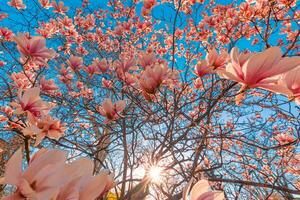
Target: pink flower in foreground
{"points": [[153, 77], [201, 191], [18, 4], [291, 80], [34, 48], [111, 111], [48, 176], [48, 85], [259, 69], [30, 101], [44, 127], [216, 60]]}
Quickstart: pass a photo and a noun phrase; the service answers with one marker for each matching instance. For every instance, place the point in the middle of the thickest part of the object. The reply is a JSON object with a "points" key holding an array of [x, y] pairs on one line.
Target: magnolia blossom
{"points": [[6, 34], [44, 127], [18, 4], [30, 101], [202, 68], [92, 69], [198, 84], [34, 48], [107, 83], [153, 77], [259, 69], [216, 60], [75, 62], [48, 176], [59, 7], [48, 85], [100, 64], [201, 191], [111, 111]]}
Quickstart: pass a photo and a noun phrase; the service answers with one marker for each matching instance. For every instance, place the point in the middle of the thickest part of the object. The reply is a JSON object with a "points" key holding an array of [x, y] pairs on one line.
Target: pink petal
{"points": [[257, 65], [95, 186], [198, 189], [13, 169], [42, 158]]}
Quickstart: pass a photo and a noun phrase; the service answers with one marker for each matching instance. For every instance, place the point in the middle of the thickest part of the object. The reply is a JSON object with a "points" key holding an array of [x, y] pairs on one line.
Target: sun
{"points": [[155, 174]]}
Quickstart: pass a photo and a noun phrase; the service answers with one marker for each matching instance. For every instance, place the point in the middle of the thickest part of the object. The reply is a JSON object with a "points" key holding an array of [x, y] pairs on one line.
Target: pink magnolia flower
{"points": [[6, 34], [100, 64], [75, 62], [111, 111], [18, 4], [259, 69], [34, 48], [153, 77], [48, 85], [106, 83], [92, 69], [39, 181], [59, 7], [201, 191], [44, 127], [291, 80], [216, 60], [48, 176], [30, 101], [198, 83], [202, 68]]}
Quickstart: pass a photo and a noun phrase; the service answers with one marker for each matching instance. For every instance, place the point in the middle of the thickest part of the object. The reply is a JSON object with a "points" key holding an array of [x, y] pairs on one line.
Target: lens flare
{"points": [[155, 174]]}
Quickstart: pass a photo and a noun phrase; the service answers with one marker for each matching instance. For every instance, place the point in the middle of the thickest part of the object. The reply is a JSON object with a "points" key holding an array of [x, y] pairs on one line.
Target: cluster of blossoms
{"points": [[39, 123]]}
